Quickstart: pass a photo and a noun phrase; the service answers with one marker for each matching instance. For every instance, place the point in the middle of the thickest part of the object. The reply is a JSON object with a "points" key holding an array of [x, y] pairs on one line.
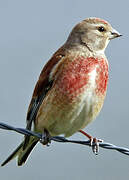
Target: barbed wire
{"points": [[64, 140]]}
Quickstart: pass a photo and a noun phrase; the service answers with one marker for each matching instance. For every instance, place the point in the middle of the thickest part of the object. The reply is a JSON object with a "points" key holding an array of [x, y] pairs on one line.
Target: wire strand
{"points": [[64, 140]]}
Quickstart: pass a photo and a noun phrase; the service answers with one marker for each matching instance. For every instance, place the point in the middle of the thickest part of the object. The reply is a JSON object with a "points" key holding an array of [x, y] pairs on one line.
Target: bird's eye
{"points": [[101, 29]]}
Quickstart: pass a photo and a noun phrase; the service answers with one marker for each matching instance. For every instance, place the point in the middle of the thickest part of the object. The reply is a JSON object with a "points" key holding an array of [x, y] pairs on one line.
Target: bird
{"points": [[71, 88]]}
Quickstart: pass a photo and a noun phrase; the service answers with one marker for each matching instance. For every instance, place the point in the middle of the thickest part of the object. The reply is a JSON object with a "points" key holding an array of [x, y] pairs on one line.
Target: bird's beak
{"points": [[114, 34]]}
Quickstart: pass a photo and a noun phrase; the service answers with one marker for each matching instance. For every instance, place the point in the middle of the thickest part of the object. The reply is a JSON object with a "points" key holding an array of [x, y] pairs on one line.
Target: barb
{"points": [[64, 140]]}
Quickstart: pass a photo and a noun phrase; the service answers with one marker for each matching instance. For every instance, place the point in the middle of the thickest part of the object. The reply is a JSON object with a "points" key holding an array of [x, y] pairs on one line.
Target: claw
{"points": [[95, 145], [46, 138], [94, 142]]}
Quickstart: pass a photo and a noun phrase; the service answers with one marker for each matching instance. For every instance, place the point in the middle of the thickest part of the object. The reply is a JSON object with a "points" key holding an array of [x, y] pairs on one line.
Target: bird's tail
{"points": [[22, 153]]}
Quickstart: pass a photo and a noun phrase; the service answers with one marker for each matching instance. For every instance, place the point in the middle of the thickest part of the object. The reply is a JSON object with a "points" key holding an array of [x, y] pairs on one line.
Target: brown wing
{"points": [[42, 87]]}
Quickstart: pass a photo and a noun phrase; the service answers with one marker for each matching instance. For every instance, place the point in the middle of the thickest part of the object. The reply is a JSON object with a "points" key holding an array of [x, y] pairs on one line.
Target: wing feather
{"points": [[42, 87]]}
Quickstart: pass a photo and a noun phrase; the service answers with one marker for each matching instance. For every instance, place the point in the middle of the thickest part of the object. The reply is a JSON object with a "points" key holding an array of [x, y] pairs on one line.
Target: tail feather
{"points": [[22, 154], [13, 155]]}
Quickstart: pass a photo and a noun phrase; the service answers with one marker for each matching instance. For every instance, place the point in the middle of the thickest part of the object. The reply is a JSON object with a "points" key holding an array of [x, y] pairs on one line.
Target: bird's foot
{"points": [[94, 142], [46, 138]]}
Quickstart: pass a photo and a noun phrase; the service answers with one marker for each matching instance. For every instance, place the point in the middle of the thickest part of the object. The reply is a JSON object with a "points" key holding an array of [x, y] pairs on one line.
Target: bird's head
{"points": [[94, 33]]}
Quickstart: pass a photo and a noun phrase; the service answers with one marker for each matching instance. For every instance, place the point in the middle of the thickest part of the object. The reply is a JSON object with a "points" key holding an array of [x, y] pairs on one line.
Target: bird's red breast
{"points": [[79, 73], [79, 83]]}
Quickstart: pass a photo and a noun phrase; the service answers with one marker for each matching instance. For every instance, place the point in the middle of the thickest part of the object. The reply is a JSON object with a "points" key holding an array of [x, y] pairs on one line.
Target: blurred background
{"points": [[30, 32]]}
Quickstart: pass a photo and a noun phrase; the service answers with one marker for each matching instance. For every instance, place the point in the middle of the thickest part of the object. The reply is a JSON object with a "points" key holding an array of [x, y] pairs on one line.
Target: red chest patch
{"points": [[102, 78], [76, 75]]}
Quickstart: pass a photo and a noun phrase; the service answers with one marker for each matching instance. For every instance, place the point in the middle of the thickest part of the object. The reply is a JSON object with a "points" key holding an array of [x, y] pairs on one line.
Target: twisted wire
{"points": [[64, 140]]}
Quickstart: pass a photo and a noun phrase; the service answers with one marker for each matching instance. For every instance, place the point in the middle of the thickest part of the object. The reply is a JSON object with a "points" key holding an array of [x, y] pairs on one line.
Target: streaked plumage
{"points": [[72, 86]]}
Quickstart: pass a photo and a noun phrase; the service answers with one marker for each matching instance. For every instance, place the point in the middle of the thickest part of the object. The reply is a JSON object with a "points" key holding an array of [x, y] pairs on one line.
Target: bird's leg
{"points": [[46, 138], [94, 142]]}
